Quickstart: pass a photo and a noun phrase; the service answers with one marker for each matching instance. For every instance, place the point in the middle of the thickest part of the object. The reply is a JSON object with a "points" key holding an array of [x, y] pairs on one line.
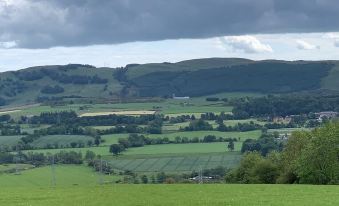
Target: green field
{"points": [[201, 134], [175, 162], [65, 175], [179, 195], [215, 147], [61, 140], [104, 150], [14, 167], [9, 140], [169, 107], [30, 128], [113, 138], [288, 130]]}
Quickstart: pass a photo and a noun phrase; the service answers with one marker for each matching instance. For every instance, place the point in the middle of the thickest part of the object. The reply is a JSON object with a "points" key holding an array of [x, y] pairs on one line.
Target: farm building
{"points": [[180, 98], [326, 115], [279, 119]]}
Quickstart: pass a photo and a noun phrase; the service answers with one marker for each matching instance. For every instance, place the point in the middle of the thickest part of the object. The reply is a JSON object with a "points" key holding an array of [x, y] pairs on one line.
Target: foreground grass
{"points": [[179, 195]]}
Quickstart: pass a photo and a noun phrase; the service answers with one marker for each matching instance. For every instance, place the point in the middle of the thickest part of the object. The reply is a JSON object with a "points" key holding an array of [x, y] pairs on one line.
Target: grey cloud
{"points": [[43, 24], [336, 43]]}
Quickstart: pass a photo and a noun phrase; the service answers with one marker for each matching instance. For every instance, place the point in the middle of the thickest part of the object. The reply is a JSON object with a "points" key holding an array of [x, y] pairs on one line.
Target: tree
{"points": [[116, 149], [74, 144], [318, 163], [292, 151], [97, 141], [255, 169], [90, 155], [144, 179], [230, 145], [161, 177]]}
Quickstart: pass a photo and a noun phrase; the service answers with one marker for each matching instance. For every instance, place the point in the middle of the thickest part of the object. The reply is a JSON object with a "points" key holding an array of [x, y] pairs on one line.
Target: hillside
{"points": [[190, 78]]}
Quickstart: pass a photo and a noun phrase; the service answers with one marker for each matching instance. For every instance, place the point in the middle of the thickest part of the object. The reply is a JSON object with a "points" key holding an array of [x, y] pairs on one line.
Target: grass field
{"points": [[11, 167], [288, 130], [104, 150], [9, 140], [178, 195], [242, 135], [61, 140], [65, 175], [195, 106], [113, 138], [216, 147], [175, 162]]}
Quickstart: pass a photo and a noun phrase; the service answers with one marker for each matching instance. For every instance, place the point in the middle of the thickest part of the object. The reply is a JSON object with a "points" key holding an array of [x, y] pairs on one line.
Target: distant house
{"points": [[180, 98], [326, 115], [279, 119], [201, 178]]}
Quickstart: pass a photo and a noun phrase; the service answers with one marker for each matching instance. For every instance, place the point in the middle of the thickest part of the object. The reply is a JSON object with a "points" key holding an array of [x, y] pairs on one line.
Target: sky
{"points": [[113, 33]]}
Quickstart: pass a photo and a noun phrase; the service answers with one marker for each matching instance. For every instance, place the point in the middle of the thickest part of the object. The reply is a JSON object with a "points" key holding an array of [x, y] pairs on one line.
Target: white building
{"points": [[180, 98]]}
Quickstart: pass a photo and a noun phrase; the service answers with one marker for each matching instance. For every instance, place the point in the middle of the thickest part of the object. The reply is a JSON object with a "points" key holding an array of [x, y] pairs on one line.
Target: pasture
{"points": [[171, 107], [61, 140], [113, 138], [65, 176], [169, 195], [103, 151], [194, 148], [201, 134], [175, 162], [9, 141]]}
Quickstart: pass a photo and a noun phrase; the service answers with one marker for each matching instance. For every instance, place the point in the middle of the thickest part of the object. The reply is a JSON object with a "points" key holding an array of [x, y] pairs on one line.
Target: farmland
{"points": [[111, 139], [174, 141], [9, 140], [118, 113], [217, 147], [64, 176], [166, 195], [61, 140], [175, 162]]}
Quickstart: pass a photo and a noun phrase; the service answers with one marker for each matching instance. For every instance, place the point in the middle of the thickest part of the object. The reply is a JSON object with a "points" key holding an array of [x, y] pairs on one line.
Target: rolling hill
{"points": [[190, 78]]}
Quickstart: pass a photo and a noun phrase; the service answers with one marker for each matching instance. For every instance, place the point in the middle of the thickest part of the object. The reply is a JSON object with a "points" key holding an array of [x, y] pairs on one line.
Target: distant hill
{"points": [[189, 78]]}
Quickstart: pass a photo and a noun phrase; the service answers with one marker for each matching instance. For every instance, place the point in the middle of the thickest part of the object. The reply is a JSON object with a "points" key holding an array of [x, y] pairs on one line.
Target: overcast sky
{"points": [[117, 32]]}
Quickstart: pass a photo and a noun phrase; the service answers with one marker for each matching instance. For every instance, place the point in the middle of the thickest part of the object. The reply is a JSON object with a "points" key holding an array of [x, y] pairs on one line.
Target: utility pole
{"points": [[53, 181], [100, 171], [17, 172], [201, 181]]}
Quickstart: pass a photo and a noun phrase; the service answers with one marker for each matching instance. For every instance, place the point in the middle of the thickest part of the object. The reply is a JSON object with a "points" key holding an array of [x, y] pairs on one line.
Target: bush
{"points": [[212, 99]]}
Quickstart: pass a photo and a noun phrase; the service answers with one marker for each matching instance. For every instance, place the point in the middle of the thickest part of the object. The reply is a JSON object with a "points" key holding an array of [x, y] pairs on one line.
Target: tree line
{"points": [[284, 105], [307, 158]]}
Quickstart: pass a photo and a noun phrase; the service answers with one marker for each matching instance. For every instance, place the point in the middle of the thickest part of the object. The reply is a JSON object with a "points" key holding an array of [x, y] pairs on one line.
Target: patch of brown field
{"points": [[128, 113]]}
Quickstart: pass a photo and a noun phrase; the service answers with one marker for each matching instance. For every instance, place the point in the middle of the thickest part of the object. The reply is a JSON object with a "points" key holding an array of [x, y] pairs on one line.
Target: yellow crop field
{"points": [[131, 113]]}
